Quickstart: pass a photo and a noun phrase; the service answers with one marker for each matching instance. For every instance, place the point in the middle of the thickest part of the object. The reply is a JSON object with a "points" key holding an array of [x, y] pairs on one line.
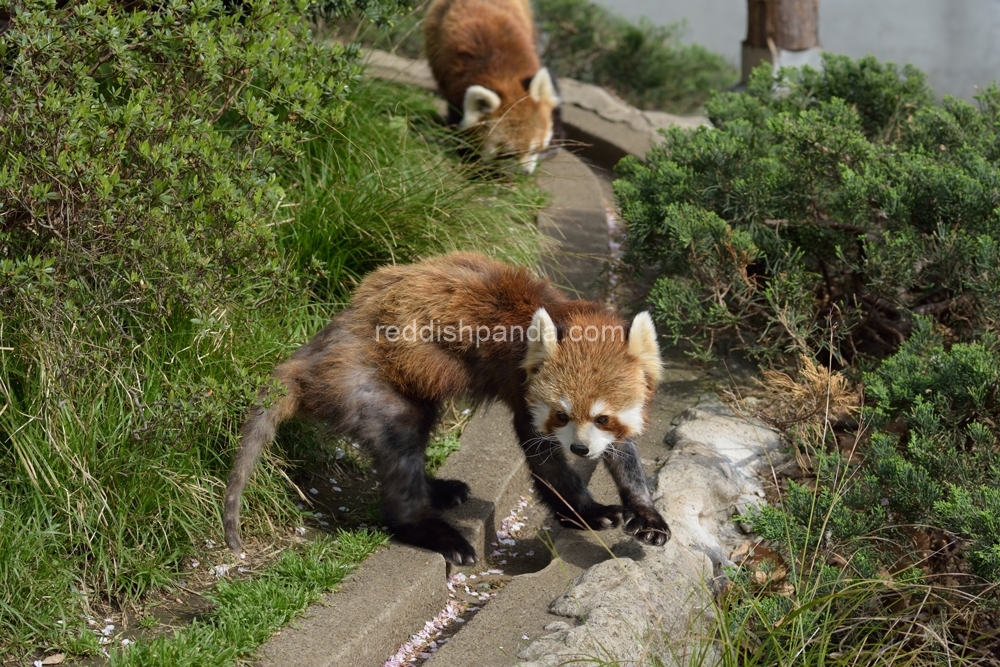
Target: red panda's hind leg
{"points": [[399, 430]]}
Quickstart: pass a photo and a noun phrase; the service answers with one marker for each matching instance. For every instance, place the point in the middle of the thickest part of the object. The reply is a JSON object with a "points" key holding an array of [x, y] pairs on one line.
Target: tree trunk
{"points": [[778, 25], [760, 23], [796, 24]]}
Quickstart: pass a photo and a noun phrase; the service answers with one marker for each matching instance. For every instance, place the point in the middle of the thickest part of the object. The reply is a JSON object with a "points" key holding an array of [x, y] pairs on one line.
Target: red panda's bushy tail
{"points": [[257, 432]]}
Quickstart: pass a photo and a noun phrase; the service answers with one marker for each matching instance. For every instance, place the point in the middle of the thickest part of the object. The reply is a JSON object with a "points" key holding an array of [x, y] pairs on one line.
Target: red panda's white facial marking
{"points": [[589, 436], [632, 418]]}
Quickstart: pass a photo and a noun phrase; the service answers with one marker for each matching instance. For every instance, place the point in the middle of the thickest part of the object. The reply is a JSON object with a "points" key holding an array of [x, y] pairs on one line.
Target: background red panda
{"points": [[482, 55], [577, 378]]}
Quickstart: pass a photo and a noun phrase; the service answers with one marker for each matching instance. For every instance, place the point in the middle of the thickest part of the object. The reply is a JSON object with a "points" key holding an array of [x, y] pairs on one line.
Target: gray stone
{"points": [[616, 110], [390, 67], [630, 611]]}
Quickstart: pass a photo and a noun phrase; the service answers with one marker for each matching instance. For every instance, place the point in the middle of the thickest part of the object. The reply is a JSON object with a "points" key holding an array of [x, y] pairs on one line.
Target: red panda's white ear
{"points": [[542, 340], [542, 88], [479, 102], [642, 345]]}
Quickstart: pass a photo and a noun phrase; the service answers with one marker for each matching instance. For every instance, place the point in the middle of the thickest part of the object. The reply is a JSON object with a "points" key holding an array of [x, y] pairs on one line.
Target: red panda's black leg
{"points": [[408, 499], [640, 516], [558, 484]]}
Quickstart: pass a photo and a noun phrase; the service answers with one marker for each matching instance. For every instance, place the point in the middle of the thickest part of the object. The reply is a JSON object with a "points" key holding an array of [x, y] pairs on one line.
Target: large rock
{"points": [[657, 601]]}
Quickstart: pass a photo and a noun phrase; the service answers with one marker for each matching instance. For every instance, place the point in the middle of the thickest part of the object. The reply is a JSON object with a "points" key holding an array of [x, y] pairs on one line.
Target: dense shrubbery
{"points": [[162, 244], [897, 532], [822, 212], [647, 65], [935, 418], [844, 216]]}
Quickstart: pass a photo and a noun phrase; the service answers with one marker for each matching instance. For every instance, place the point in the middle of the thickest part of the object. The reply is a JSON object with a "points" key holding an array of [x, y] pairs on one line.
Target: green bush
{"points": [[912, 522], [941, 463], [644, 64], [822, 212], [140, 156], [157, 258]]}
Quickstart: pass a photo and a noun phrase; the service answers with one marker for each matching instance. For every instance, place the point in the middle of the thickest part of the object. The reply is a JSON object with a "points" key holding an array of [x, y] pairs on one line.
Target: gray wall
{"points": [[956, 42]]}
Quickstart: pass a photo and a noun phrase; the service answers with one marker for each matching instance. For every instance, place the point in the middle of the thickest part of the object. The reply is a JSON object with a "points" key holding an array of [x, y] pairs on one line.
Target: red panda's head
{"points": [[512, 119], [589, 385]]}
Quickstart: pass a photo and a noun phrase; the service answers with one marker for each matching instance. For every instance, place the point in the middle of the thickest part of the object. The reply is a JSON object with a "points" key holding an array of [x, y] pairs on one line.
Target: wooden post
{"points": [[778, 25], [758, 47], [796, 24]]}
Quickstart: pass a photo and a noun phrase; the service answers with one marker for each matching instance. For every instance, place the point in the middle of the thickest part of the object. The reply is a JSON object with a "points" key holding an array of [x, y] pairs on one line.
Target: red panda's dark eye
{"points": [[602, 420], [562, 417]]}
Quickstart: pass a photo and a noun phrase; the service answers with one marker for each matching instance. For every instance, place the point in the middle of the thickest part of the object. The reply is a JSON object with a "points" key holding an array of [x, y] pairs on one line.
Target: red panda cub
{"points": [[577, 378], [482, 55]]}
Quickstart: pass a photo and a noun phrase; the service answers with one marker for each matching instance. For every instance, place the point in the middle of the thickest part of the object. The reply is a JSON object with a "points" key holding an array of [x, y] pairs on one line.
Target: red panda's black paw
{"points": [[456, 550], [438, 535], [595, 517], [646, 524], [448, 493]]}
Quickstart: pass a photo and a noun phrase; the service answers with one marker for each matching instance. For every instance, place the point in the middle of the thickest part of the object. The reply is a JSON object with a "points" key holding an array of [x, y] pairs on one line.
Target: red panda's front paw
{"points": [[594, 517], [646, 524]]}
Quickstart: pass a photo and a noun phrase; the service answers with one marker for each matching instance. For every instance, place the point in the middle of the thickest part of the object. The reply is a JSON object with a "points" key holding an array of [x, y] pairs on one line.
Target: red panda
{"points": [[482, 55], [577, 378]]}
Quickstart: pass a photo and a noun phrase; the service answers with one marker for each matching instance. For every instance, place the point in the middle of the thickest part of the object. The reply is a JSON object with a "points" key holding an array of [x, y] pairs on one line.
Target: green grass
{"points": [[841, 583], [438, 451], [248, 612], [115, 444], [386, 187]]}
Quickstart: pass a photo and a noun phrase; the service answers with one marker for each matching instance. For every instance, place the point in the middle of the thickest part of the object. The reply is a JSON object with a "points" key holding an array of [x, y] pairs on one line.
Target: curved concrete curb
{"points": [[395, 591]]}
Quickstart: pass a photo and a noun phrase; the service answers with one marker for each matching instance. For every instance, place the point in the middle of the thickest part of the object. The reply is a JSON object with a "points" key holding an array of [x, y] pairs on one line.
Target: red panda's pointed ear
{"points": [[541, 88], [542, 340], [642, 345], [479, 102]]}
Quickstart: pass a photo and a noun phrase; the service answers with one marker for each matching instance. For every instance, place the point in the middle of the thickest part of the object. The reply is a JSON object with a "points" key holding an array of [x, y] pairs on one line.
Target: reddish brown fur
{"points": [[385, 393], [490, 43]]}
